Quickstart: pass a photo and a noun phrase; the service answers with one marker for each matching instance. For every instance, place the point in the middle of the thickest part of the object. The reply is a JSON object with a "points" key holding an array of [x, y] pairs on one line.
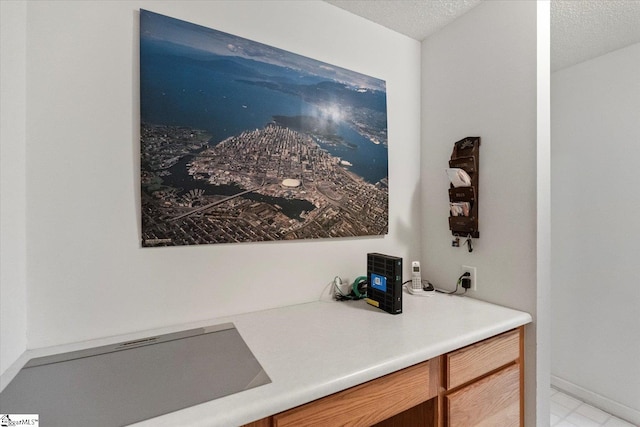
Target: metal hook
{"points": [[469, 244]]}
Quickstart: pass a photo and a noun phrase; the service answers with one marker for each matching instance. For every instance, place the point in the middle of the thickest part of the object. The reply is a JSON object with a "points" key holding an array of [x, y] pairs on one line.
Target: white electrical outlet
{"points": [[473, 277]]}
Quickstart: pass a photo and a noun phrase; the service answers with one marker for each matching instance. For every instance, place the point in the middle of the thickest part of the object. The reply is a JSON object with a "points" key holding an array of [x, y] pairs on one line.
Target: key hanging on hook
{"points": [[469, 243], [455, 242]]}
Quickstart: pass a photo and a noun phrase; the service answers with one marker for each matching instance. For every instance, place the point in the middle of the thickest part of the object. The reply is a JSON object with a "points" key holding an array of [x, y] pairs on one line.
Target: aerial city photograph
{"points": [[245, 142]]}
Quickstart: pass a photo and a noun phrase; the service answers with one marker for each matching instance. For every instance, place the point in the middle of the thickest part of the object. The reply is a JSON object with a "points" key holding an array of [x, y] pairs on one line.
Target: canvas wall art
{"points": [[244, 142]]}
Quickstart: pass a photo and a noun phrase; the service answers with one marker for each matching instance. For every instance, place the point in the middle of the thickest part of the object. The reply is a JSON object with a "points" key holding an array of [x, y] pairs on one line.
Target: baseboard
{"points": [[594, 399]]}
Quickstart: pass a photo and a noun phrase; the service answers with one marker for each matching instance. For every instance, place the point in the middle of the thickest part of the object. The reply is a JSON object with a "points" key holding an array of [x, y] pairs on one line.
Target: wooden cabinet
{"points": [[368, 403], [265, 422], [489, 402], [478, 385], [483, 383]]}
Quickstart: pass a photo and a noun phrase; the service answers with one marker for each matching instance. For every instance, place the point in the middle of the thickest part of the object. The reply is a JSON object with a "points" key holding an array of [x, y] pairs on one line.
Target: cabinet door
{"points": [[492, 401]]}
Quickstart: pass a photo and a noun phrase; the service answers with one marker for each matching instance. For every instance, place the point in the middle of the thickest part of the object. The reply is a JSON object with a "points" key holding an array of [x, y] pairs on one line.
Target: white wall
{"points": [[479, 79], [87, 276], [13, 317], [595, 227]]}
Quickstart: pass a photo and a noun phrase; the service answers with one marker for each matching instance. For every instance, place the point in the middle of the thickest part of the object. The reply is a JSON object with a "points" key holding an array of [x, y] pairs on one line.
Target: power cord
{"points": [[358, 289], [458, 283]]}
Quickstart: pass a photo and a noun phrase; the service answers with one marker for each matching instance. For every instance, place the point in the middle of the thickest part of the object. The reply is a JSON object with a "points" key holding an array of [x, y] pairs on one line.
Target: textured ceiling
{"points": [[417, 19], [580, 29]]}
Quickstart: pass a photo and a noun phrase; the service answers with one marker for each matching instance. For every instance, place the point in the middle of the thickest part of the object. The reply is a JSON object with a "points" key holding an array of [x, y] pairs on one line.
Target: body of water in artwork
{"points": [[181, 180], [184, 87]]}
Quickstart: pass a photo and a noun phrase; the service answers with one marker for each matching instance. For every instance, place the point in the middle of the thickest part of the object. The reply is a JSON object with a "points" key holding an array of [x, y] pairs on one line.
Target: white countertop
{"points": [[316, 349]]}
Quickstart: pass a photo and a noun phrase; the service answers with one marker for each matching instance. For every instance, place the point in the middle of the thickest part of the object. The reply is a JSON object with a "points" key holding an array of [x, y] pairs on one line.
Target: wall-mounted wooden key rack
{"points": [[463, 192]]}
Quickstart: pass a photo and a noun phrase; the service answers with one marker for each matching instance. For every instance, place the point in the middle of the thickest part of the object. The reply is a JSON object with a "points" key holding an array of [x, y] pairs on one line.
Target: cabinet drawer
{"points": [[492, 401], [481, 358], [368, 403]]}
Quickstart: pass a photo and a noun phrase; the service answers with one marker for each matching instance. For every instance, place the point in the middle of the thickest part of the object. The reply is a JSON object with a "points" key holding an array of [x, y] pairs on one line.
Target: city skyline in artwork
{"points": [[244, 142]]}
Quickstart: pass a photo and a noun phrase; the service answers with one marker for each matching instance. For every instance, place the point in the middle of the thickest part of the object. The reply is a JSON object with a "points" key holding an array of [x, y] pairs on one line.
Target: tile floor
{"points": [[567, 411]]}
